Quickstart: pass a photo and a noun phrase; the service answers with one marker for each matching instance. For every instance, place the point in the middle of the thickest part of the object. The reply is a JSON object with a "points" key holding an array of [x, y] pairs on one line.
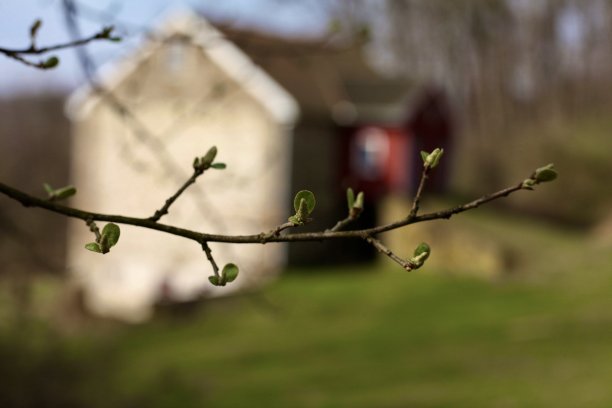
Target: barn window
{"points": [[369, 153]]}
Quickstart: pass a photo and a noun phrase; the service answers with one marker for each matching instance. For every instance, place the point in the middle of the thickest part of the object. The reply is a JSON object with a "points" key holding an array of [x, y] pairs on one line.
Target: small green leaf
{"points": [[350, 198], [110, 236], [424, 155], [545, 174], [218, 166], [59, 193], [308, 198], [229, 273], [216, 280], [359, 201], [94, 247], [49, 63], [64, 192]]}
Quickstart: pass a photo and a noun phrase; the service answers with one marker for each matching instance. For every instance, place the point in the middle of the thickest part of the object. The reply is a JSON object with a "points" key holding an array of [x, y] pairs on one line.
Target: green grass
{"points": [[377, 337]]}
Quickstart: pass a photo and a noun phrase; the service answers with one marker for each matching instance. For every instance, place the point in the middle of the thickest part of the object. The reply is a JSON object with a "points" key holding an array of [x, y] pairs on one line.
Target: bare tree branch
{"points": [[31, 201], [210, 258], [164, 210], [380, 247], [20, 53], [417, 197]]}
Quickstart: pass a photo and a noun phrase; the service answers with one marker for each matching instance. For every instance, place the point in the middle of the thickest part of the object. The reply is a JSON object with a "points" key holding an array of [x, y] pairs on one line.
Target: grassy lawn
{"points": [[375, 337]]}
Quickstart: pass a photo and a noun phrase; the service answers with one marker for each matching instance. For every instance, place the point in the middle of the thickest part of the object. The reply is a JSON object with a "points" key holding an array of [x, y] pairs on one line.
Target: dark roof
{"points": [[325, 78]]}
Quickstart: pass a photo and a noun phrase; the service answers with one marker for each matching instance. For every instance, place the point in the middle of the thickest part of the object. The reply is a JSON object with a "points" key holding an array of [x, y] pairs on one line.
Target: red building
{"points": [[357, 129], [385, 158]]}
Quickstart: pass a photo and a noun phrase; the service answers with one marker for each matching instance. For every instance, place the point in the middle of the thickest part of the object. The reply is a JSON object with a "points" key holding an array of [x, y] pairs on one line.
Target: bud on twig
{"points": [[431, 160], [421, 253]]}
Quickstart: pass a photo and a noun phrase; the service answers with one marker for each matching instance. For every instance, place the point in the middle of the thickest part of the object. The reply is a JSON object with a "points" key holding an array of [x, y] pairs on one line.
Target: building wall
{"points": [[189, 105]]}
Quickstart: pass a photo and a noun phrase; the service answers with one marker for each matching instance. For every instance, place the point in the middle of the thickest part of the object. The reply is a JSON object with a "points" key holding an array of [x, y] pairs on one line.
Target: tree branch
{"points": [[93, 228], [164, 210], [19, 53], [261, 238], [342, 223], [380, 247], [417, 197], [210, 258]]}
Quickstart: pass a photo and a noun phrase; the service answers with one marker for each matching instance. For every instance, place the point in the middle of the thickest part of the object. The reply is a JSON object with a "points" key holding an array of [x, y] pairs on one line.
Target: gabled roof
{"points": [[234, 62], [325, 78]]}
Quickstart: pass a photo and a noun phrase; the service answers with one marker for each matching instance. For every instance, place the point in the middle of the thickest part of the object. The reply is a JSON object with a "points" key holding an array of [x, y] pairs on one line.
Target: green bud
{"points": [[302, 212], [359, 201], [218, 166], [229, 273], [106, 32], [421, 253], [196, 163], [432, 160], [94, 247], [423, 248], [216, 280], [59, 193], [545, 174], [350, 198], [208, 158], [294, 219], [34, 28], [49, 63], [65, 192], [110, 236], [304, 203]]}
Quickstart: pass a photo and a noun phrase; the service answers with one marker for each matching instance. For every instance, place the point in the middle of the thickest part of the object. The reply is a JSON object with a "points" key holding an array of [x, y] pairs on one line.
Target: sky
{"points": [[16, 17]]}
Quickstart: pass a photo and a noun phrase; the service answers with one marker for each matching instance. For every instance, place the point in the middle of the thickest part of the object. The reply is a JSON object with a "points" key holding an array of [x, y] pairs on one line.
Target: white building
{"points": [[188, 89]]}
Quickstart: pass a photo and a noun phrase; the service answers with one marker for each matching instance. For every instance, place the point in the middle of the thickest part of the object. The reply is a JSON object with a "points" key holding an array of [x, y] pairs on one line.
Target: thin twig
{"points": [[18, 54], [103, 34], [341, 224], [265, 236], [380, 247], [93, 228], [354, 213], [164, 210], [210, 258], [417, 197]]}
